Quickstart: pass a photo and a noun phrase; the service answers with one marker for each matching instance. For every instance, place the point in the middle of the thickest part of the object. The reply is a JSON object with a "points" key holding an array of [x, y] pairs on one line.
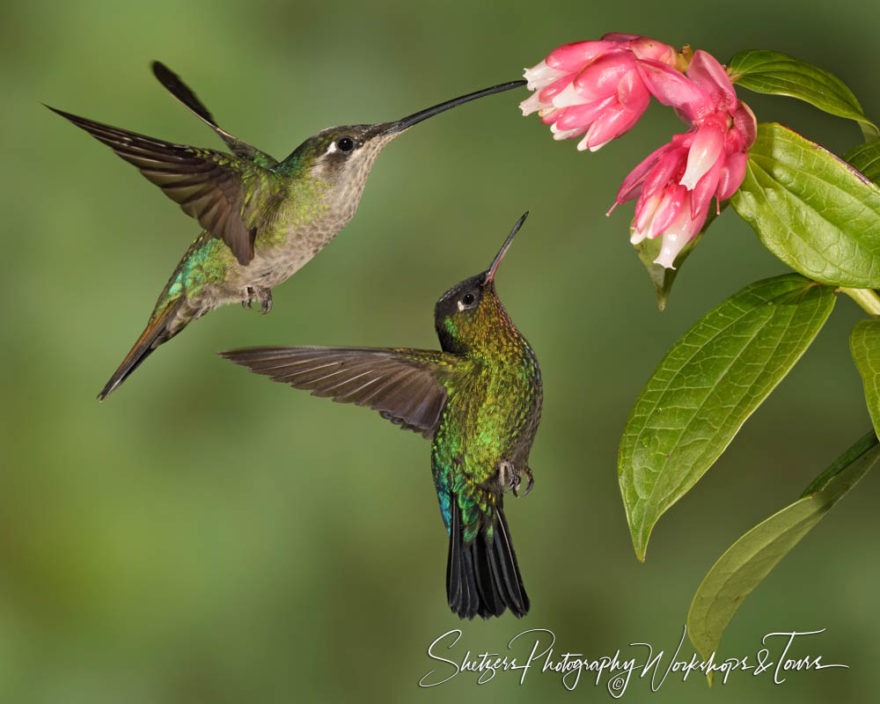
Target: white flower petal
{"points": [[541, 75], [706, 149], [567, 97], [564, 134], [636, 236], [533, 104], [584, 144], [673, 242]]}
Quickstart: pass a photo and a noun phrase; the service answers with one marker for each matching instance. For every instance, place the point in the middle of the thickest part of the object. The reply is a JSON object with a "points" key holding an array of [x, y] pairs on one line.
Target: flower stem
{"points": [[866, 298]]}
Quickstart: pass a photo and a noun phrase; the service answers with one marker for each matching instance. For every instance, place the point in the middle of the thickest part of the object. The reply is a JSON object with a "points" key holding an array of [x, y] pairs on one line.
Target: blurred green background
{"points": [[208, 536]]}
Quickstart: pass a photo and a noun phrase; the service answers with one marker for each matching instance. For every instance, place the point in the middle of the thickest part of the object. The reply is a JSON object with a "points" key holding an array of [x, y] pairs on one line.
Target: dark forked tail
{"points": [[482, 576], [156, 332]]}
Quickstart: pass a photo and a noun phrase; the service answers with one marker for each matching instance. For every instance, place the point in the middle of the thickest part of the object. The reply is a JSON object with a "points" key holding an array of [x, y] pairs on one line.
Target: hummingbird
{"points": [[478, 400], [262, 219]]}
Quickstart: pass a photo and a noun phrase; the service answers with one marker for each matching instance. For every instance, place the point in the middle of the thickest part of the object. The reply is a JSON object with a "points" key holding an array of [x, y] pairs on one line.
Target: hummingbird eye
{"points": [[345, 144], [466, 301]]}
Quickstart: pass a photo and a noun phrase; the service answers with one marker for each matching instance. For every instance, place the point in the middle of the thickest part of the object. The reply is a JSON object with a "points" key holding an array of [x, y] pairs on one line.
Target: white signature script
{"points": [[535, 651]]}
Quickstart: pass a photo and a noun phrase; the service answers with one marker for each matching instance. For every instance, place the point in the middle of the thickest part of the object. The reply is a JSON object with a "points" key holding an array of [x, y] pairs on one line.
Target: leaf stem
{"points": [[869, 130], [866, 298]]}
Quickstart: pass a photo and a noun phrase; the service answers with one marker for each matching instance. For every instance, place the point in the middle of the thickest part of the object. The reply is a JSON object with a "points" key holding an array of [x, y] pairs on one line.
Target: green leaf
{"points": [[864, 343], [750, 559], [706, 387], [773, 73], [811, 209], [866, 158]]}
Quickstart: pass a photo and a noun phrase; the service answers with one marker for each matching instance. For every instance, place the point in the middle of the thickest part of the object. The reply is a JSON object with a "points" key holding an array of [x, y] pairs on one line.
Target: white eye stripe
{"points": [[466, 305], [343, 145]]}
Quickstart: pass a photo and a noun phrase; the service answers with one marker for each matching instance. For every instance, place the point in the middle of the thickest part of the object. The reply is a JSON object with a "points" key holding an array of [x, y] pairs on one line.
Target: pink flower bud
{"points": [[594, 88], [706, 149], [675, 185], [571, 58], [600, 89], [671, 87], [706, 72], [645, 48]]}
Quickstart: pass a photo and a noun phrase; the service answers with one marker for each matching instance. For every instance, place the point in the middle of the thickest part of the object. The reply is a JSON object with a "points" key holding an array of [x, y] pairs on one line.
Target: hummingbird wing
{"points": [[208, 185], [174, 84], [404, 385]]}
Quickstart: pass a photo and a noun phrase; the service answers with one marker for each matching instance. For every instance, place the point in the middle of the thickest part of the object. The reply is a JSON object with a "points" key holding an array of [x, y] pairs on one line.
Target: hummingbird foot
{"points": [[511, 479], [508, 477], [531, 480], [257, 294]]}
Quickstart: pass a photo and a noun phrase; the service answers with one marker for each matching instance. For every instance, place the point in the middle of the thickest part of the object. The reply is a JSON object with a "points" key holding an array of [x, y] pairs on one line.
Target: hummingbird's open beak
{"points": [[394, 128], [490, 274]]}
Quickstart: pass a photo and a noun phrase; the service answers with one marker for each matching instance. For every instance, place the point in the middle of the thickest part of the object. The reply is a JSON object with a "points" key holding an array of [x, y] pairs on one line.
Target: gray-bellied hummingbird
{"points": [[262, 219]]}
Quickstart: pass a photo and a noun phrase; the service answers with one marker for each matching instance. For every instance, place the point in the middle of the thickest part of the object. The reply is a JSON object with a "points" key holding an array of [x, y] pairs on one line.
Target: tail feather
{"points": [[482, 576], [158, 331], [461, 589], [505, 572]]}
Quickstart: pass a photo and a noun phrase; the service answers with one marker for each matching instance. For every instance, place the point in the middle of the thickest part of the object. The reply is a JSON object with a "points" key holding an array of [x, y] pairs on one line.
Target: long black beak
{"points": [[490, 274], [415, 118]]}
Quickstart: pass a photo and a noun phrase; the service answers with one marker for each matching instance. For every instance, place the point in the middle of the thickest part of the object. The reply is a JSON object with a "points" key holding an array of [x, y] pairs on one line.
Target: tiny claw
{"points": [[257, 294], [510, 478], [265, 300], [531, 480]]}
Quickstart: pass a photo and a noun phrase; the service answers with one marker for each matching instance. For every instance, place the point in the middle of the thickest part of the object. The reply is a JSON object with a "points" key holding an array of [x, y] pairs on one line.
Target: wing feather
{"points": [[403, 385], [174, 84], [208, 185]]}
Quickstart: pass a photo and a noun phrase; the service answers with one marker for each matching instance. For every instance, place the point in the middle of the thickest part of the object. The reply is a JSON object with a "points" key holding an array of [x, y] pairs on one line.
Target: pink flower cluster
{"points": [[600, 89]]}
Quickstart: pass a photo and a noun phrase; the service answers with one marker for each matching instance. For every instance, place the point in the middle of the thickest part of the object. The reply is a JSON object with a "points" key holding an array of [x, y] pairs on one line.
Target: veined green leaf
{"points": [[750, 559], [811, 209], [773, 73], [864, 343], [706, 387]]}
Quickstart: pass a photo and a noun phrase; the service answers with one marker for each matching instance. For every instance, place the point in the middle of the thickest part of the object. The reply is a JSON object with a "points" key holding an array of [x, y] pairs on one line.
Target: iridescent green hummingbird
{"points": [[479, 400], [262, 219]]}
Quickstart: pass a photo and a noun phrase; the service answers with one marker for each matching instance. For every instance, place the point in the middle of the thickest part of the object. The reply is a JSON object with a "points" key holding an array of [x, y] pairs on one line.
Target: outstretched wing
{"points": [[207, 184], [174, 84], [404, 385]]}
